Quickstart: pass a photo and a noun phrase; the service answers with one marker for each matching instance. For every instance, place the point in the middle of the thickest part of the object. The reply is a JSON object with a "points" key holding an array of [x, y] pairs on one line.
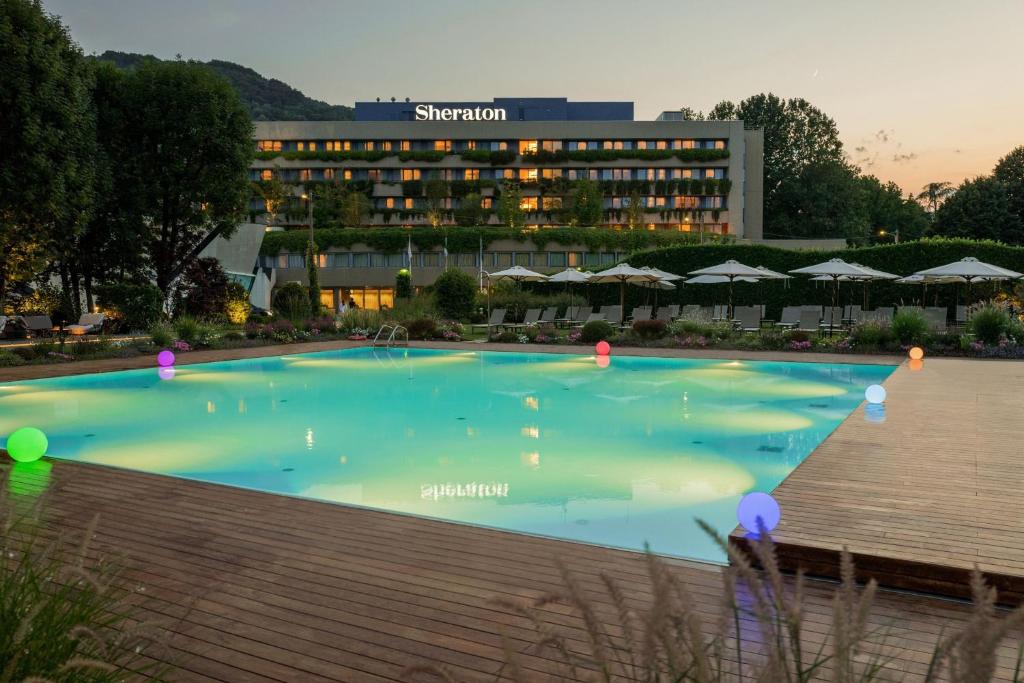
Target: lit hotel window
{"points": [[662, 144], [719, 144], [509, 174], [404, 146], [709, 173], [305, 174], [301, 146], [551, 145], [470, 144], [641, 144], [472, 174], [389, 203], [528, 175], [442, 145], [687, 173], [374, 175], [551, 173], [266, 174], [347, 175], [386, 145], [617, 144], [528, 204], [581, 146], [347, 145], [551, 203], [527, 146], [502, 146], [689, 144], [369, 146], [269, 145], [409, 203], [333, 145], [677, 144], [328, 174], [486, 202], [312, 146], [607, 144], [410, 174]]}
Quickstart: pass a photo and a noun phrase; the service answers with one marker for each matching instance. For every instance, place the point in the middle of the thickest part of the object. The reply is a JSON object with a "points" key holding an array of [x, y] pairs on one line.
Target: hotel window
{"points": [[661, 144], [689, 144], [503, 259], [266, 174], [709, 173], [575, 259], [557, 259], [527, 146], [312, 147], [389, 203], [471, 174], [719, 144], [658, 202], [339, 260], [660, 174], [410, 174], [377, 261], [282, 260], [431, 259], [616, 202], [442, 145], [386, 145], [304, 174], [617, 144], [470, 144], [487, 202], [528, 204], [404, 146], [269, 145], [551, 203], [523, 259], [373, 174], [592, 173], [410, 203], [503, 146], [551, 145], [361, 260], [509, 174], [346, 174], [346, 146], [368, 145], [687, 173], [301, 146], [641, 144], [296, 261], [607, 144], [328, 174], [528, 175], [551, 173], [333, 145], [677, 144], [581, 146], [465, 260]]}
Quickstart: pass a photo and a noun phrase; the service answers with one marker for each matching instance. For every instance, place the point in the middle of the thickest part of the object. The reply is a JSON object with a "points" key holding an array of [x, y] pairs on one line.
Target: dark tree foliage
{"points": [[980, 208], [1010, 172], [587, 203], [455, 292], [204, 289], [888, 209], [470, 210]]}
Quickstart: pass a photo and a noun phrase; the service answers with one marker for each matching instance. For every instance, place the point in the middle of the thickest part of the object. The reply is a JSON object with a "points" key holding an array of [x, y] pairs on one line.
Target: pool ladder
{"points": [[392, 339]]}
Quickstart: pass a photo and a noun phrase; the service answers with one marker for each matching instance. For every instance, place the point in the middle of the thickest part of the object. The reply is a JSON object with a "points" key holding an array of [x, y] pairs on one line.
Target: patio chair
{"points": [[590, 318], [548, 316], [748, 318], [641, 313], [689, 311], [961, 316], [936, 317], [38, 325], [3, 325], [663, 314], [720, 312], [706, 313], [582, 314], [496, 319], [613, 315], [851, 313], [832, 317], [571, 315], [810, 320], [790, 317], [531, 318], [89, 323], [881, 316]]}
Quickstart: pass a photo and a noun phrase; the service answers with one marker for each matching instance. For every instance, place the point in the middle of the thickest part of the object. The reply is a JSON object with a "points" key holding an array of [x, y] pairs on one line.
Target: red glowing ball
{"points": [[603, 348], [603, 361]]}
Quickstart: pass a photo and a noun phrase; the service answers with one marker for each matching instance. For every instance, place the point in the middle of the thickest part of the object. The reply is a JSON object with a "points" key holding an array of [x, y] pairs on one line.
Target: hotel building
{"points": [[689, 176]]}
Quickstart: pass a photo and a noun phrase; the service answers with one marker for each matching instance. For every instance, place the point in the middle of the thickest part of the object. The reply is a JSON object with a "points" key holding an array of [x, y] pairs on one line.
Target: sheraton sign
{"points": [[428, 112]]}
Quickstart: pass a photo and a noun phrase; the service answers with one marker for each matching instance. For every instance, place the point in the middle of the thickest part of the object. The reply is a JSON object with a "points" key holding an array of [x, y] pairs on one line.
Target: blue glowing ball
{"points": [[874, 412], [755, 505], [875, 393]]}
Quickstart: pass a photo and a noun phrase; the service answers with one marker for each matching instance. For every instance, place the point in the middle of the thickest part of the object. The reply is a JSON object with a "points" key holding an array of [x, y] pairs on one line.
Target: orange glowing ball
{"points": [[916, 364], [916, 353], [603, 361], [603, 348]]}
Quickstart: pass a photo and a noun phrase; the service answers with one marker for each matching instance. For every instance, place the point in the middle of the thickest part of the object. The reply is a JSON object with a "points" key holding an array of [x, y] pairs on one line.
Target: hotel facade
{"points": [[688, 176]]}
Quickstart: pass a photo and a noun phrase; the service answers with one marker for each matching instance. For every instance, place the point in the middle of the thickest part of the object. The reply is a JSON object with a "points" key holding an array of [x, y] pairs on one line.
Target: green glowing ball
{"points": [[27, 444]]}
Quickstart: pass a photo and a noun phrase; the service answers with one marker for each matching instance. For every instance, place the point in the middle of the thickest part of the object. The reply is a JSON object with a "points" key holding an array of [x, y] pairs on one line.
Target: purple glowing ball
{"points": [[755, 505], [165, 358], [165, 373]]}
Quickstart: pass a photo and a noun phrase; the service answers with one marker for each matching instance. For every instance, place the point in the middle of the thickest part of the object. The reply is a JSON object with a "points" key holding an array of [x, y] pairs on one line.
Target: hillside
{"points": [[267, 99]]}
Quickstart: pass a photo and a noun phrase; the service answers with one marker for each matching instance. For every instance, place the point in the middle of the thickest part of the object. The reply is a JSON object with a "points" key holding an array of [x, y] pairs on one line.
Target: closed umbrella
{"points": [[622, 274], [571, 276], [834, 269], [731, 269]]}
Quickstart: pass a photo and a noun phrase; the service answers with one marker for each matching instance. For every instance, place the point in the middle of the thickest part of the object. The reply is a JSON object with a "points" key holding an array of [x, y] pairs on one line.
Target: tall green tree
{"points": [[1010, 172], [635, 210], [980, 209], [933, 194], [587, 203], [510, 205], [823, 200], [470, 210], [313, 273], [275, 194], [355, 209], [190, 144], [887, 208], [46, 138], [436, 191]]}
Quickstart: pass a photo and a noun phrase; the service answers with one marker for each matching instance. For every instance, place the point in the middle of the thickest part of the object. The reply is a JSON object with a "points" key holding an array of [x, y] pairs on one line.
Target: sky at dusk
{"points": [[921, 90]]}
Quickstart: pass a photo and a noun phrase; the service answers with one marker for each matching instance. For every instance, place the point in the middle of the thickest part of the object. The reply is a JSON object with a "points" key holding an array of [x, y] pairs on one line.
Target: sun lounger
{"points": [[590, 318], [689, 311], [38, 325], [832, 317], [936, 317], [961, 316], [810, 320], [571, 316], [748, 318], [720, 313], [613, 314], [548, 316], [496, 319], [790, 317], [641, 313], [89, 323], [531, 318]]}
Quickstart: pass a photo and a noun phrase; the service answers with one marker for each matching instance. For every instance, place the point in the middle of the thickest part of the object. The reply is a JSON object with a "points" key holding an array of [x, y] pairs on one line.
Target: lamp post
{"points": [[895, 235]]}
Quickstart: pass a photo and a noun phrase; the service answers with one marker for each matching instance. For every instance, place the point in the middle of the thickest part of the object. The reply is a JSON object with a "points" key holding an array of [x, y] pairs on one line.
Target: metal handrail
{"points": [[376, 337], [394, 331], [390, 340]]}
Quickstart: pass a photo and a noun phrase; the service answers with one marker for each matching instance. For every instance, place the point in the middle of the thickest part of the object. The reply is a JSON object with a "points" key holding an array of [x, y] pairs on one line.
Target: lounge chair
{"points": [[664, 314], [790, 317], [38, 325], [89, 323], [810, 320], [571, 315], [936, 317], [851, 313], [706, 313], [590, 318], [531, 318], [689, 311], [748, 318], [548, 316], [832, 317], [641, 313], [3, 325], [880, 316], [613, 315], [961, 316], [720, 313], [582, 314], [496, 319]]}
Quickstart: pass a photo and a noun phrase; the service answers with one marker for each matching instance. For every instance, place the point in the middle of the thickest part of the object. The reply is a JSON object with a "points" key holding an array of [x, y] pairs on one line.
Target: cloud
{"points": [[901, 158]]}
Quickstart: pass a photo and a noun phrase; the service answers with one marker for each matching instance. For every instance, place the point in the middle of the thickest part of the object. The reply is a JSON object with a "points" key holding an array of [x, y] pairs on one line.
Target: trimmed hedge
{"points": [[562, 156], [901, 259]]}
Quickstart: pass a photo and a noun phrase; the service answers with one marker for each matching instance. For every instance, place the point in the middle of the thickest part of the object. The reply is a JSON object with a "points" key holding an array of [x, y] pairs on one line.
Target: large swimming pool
{"points": [[545, 444]]}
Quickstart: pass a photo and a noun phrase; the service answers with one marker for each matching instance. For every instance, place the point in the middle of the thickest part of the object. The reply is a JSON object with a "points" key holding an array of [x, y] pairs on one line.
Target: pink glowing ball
{"points": [[165, 373], [603, 348], [165, 358]]}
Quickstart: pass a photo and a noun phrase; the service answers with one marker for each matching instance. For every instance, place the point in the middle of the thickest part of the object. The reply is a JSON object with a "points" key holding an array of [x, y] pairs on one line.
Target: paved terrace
{"points": [[264, 587]]}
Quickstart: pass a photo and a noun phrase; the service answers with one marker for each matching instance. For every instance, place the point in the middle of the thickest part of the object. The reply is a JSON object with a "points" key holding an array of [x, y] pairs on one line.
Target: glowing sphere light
{"points": [[603, 348], [875, 393], [166, 373], [875, 413], [27, 444], [603, 361], [916, 365], [916, 353], [758, 505], [165, 358]]}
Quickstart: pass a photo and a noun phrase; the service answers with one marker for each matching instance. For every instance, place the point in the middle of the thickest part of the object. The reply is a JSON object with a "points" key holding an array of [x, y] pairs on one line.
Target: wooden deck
{"points": [[262, 587], [925, 496]]}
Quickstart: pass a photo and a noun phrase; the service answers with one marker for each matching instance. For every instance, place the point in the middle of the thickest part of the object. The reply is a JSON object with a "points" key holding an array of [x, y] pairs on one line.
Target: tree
{"points": [[204, 289], [328, 202], [691, 114], [588, 203], [980, 209], [189, 143], [470, 211], [824, 200], [510, 205], [436, 191], [355, 209], [723, 111], [1010, 172], [634, 210], [886, 208], [313, 273], [934, 194], [275, 195], [455, 293], [47, 131]]}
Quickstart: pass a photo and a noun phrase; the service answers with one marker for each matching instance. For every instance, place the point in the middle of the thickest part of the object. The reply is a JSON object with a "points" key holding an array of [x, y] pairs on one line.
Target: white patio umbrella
{"points": [[517, 274], [731, 269], [715, 280], [925, 280], [971, 269], [622, 274], [834, 269], [571, 276], [664, 281]]}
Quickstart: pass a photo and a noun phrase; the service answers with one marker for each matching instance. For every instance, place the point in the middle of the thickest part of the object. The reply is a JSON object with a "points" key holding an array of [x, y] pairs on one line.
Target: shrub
{"points": [[161, 334], [403, 284], [360, 320], [989, 323], [597, 330], [322, 324], [292, 301], [650, 329], [709, 330], [422, 328], [910, 327], [421, 306], [204, 289], [8, 359], [506, 337], [131, 306], [454, 292], [872, 334], [233, 336], [237, 306], [799, 336], [194, 332]]}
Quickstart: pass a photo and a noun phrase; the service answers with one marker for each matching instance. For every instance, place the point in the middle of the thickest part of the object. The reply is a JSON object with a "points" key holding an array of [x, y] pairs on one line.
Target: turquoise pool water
{"points": [[539, 443]]}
